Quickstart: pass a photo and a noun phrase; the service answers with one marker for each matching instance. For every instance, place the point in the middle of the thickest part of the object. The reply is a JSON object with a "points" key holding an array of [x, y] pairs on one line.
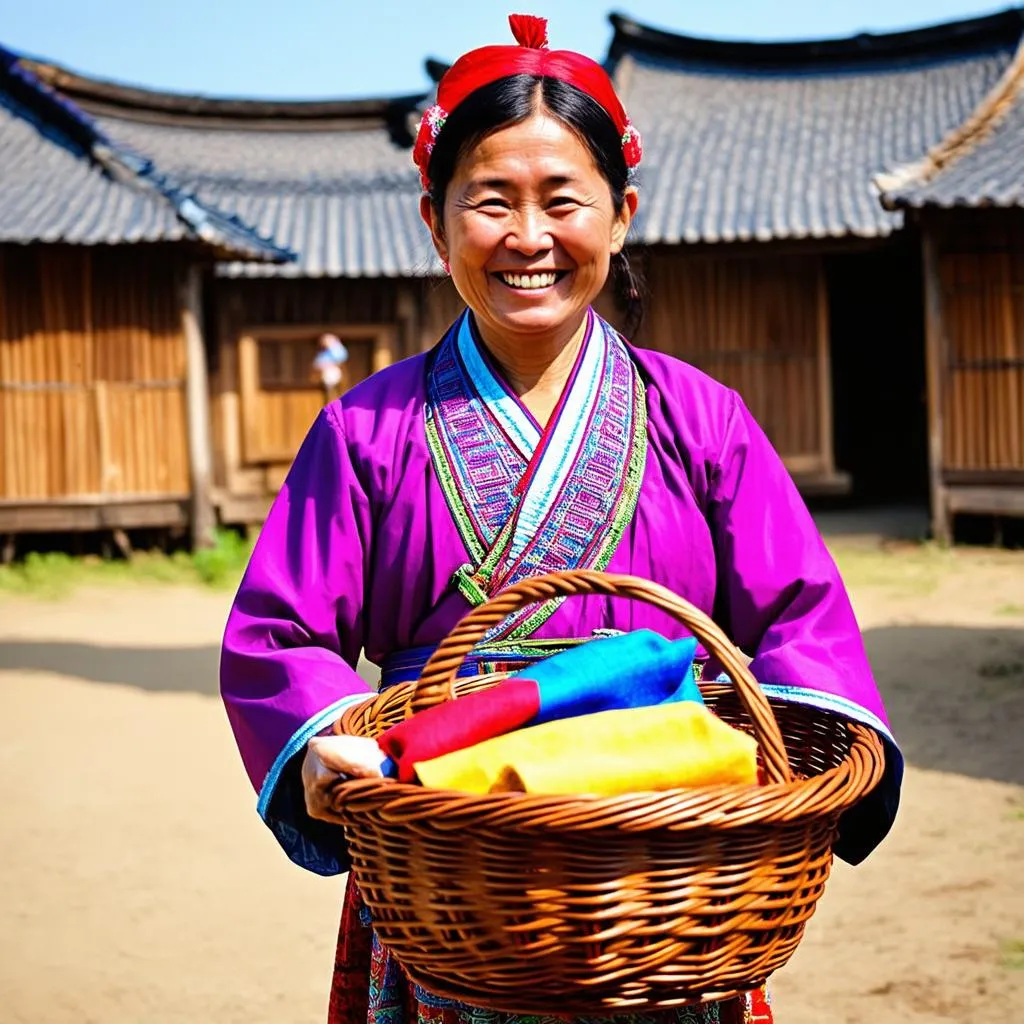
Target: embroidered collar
{"points": [[528, 501]]}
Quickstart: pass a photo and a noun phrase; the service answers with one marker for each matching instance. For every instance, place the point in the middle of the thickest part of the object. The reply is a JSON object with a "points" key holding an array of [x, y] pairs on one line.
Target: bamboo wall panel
{"points": [[92, 373], [756, 325], [983, 375]]}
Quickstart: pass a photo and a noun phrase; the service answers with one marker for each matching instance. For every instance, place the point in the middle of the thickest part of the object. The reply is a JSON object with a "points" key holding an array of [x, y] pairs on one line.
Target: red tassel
{"points": [[529, 30]]}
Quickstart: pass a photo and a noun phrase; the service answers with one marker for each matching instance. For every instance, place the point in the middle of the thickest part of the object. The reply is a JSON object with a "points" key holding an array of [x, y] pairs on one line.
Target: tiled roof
{"points": [[758, 141], [63, 180], [345, 198], [979, 164], [743, 141], [332, 180]]}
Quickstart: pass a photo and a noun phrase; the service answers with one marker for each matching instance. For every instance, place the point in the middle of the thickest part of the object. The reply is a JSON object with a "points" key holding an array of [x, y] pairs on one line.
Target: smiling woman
{"points": [[528, 205], [532, 439]]}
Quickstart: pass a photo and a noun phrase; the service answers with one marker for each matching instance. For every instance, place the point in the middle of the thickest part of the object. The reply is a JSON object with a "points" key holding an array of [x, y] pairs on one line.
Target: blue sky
{"points": [[340, 48]]}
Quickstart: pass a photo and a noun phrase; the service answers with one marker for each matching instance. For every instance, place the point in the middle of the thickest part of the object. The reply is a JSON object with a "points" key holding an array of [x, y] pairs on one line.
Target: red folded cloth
{"points": [[479, 716]]}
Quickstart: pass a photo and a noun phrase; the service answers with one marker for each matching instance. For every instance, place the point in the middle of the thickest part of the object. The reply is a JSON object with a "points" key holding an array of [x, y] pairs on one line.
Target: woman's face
{"points": [[529, 230]]}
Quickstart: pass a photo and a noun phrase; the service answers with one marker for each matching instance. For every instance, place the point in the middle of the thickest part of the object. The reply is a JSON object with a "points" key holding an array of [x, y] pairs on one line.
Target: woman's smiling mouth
{"points": [[531, 281]]}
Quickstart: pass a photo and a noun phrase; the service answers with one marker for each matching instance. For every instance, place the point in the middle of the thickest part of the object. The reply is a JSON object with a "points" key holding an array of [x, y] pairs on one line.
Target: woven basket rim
{"points": [[731, 805]]}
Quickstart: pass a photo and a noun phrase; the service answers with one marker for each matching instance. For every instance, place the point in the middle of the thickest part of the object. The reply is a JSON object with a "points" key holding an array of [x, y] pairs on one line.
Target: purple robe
{"points": [[360, 548]]}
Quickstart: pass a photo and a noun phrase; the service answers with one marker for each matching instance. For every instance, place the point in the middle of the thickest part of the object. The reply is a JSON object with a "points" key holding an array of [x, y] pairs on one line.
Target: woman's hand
{"points": [[330, 758]]}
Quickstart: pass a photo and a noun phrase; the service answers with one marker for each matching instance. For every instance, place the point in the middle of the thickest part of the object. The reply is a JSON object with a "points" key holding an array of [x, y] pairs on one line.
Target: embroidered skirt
{"points": [[370, 987]]}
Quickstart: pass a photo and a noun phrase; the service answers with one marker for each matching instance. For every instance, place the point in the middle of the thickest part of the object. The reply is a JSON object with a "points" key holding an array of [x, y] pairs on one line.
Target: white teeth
{"points": [[529, 280]]}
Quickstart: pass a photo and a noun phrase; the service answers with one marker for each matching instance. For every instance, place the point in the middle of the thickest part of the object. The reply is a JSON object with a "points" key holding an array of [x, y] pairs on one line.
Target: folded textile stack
{"points": [[616, 715], [628, 670], [630, 750]]}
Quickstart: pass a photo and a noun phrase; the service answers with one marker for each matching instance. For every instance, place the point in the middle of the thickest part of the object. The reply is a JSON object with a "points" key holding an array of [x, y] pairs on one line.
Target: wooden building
{"points": [[103, 405], [334, 183], [967, 199], [770, 261]]}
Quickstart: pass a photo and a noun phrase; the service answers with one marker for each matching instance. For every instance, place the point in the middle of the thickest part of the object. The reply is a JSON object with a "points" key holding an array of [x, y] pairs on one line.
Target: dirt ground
{"points": [[137, 885]]}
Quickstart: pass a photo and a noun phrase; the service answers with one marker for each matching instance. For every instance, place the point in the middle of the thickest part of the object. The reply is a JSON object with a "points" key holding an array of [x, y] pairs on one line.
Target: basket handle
{"points": [[436, 683]]}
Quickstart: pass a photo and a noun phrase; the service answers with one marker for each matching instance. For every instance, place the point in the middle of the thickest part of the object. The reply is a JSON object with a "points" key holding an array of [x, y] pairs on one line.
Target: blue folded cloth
{"points": [[629, 670]]}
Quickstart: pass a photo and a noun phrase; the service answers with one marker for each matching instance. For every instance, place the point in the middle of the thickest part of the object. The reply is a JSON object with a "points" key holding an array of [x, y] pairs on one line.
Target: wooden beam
{"points": [[935, 371], [94, 514], [992, 501], [301, 331], [197, 402], [244, 509], [818, 485], [984, 478]]}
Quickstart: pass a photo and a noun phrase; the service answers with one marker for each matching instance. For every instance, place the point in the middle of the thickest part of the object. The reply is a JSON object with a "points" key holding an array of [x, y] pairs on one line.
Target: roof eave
{"points": [[143, 104], [1001, 29], [898, 187]]}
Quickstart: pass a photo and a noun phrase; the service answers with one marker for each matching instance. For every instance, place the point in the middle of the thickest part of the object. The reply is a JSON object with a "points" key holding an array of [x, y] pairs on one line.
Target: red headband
{"points": [[531, 57]]}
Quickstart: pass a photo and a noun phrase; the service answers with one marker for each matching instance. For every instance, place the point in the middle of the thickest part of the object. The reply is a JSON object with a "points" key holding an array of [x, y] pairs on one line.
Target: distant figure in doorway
{"points": [[328, 366]]}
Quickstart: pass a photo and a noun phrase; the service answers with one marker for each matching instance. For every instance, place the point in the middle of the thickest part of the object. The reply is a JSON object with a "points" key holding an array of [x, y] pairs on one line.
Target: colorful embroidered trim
{"points": [[477, 465], [503, 656], [582, 488]]}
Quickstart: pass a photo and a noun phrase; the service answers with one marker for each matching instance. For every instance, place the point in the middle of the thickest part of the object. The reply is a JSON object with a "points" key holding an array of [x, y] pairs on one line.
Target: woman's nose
{"points": [[530, 234]]}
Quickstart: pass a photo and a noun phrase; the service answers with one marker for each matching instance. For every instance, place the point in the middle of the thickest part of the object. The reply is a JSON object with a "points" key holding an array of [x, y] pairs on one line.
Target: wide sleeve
{"points": [[295, 632], [781, 598]]}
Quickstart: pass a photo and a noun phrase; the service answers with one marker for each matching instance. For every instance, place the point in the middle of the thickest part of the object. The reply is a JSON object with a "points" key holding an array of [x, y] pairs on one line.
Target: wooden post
{"points": [[935, 371], [826, 438], [197, 403], [406, 314], [383, 349], [248, 396]]}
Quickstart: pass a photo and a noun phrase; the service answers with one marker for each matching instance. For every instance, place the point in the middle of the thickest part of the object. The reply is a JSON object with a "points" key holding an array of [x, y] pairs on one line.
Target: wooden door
{"points": [[280, 394]]}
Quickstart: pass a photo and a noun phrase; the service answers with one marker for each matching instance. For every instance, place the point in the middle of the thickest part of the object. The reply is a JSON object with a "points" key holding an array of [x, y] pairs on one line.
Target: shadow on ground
{"points": [[955, 696], [160, 669]]}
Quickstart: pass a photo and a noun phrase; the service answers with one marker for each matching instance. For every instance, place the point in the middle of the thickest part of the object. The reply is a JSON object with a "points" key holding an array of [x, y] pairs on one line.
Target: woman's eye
{"points": [[563, 201], [494, 203]]}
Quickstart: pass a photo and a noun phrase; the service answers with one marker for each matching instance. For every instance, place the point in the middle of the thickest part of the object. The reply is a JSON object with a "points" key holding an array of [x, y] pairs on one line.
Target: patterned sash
{"points": [[528, 501]]}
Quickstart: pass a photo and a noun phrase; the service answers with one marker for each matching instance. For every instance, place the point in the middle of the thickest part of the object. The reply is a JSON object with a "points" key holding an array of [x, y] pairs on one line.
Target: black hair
{"points": [[512, 100]]}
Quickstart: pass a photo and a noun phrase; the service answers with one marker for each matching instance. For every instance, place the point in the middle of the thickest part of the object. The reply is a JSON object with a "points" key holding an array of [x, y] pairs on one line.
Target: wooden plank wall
{"points": [[92, 374], [981, 279], [759, 325]]}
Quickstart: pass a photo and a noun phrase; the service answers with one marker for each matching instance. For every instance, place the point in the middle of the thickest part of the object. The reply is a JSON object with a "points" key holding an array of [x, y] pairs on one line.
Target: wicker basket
{"points": [[584, 904]]}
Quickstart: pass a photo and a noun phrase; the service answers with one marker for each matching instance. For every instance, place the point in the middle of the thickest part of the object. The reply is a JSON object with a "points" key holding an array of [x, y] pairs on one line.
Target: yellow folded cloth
{"points": [[633, 750]]}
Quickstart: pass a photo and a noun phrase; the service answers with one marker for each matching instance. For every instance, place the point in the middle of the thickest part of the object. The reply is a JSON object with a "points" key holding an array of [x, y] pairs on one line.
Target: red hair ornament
{"points": [[531, 56]]}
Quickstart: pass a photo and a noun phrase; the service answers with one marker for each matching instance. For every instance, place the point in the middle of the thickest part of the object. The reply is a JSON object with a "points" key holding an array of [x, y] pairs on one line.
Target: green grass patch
{"points": [[52, 575], [1011, 954], [908, 568]]}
